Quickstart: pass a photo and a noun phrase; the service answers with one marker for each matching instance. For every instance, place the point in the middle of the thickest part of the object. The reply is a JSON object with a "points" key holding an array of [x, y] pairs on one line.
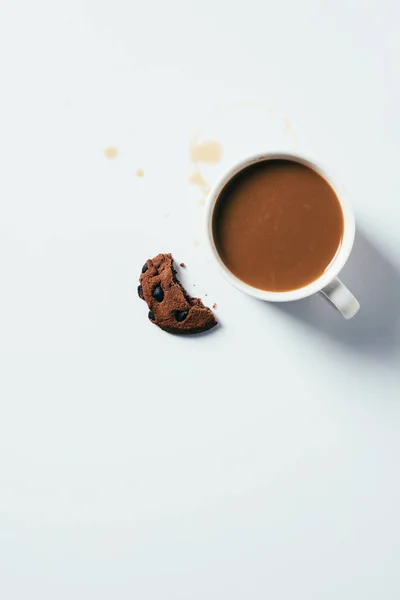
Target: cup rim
{"points": [[337, 263]]}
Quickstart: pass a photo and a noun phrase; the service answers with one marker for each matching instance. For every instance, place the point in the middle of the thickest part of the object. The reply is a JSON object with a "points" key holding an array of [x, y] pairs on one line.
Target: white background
{"points": [[258, 461]]}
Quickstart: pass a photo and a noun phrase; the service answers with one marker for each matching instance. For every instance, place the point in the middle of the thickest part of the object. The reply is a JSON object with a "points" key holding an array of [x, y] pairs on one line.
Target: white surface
{"points": [[260, 461]]}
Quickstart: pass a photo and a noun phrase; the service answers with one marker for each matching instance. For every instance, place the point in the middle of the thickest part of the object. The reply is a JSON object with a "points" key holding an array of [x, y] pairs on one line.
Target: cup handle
{"points": [[341, 298]]}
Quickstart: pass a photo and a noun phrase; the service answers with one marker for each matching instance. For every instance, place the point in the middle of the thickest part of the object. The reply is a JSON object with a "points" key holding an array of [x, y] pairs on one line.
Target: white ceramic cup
{"points": [[328, 283]]}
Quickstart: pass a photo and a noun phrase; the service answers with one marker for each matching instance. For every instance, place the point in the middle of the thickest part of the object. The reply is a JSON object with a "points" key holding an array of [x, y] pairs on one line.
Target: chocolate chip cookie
{"points": [[170, 306]]}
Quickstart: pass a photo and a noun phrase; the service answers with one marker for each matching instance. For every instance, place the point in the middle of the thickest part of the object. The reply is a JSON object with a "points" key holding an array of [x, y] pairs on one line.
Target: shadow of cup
{"points": [[375, 282]]}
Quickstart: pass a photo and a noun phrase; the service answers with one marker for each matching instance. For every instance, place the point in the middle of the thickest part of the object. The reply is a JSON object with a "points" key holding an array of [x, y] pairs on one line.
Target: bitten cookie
{"points": [[171, 308]]}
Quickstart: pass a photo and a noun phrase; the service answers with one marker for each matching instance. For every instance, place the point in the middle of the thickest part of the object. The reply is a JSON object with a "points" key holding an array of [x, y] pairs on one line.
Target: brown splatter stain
{"points": [[207, 151], [111, 152], [197, 179], [182, 265], [139, 173], [214, 305]]}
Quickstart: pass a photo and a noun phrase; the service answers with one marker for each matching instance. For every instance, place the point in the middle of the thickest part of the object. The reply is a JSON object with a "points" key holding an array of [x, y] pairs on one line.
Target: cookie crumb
{"points": [[139, 173], [182, 265], [111, 152], [214, 305]]}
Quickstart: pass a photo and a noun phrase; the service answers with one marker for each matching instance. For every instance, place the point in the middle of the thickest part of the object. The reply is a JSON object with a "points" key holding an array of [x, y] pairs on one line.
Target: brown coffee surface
{"points": [[277, 225]]}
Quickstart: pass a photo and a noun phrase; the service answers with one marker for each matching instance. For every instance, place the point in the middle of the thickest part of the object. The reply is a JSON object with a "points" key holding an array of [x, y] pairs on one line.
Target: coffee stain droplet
{"points": [[207, 152], [197, 179], [111, 152], [139, 173]]}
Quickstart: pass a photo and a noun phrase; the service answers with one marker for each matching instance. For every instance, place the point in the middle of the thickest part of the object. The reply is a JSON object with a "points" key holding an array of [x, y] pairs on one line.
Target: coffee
{"points": [[277, 225]]}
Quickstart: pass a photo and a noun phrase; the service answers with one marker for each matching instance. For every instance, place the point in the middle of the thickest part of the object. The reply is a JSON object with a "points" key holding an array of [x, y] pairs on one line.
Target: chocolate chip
{"points": [[144, 268], [151, 315], [140, 291], [180, 315], [158, 293]]}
